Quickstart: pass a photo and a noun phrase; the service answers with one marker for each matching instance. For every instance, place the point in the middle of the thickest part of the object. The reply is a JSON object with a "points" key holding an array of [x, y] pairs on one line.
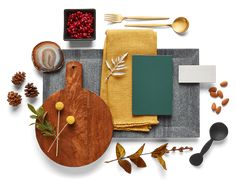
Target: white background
{"points": [[25, 23]]}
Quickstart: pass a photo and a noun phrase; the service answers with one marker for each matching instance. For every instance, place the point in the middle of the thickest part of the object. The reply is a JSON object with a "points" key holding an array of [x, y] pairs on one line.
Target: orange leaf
{"points": [[162, 162], [126, 165], [160, 151], [120, 151], [139, 162], [138, 153]]}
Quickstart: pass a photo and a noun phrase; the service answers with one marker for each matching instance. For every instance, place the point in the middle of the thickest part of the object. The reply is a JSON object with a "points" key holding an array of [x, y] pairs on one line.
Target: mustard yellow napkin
{"points": [[117, 91]]}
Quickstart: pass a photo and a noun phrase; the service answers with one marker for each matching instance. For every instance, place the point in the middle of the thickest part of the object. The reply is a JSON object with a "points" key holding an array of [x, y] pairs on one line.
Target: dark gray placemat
{"points": [[184, 123]]}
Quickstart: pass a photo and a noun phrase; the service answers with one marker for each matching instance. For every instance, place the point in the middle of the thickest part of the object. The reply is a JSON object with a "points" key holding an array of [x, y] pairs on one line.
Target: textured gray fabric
{"points": [[184, 123]]}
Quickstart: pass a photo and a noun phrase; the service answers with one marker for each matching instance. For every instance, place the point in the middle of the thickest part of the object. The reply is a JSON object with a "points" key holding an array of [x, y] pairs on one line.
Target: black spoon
{"points": [[218, 132]]}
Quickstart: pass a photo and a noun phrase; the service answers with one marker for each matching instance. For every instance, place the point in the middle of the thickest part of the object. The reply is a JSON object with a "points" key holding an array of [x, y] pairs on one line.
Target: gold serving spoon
{"points": [[180, 25]]}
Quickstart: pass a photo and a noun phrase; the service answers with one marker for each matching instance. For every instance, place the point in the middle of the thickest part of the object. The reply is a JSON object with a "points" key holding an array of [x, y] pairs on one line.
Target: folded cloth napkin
{"points": [[117, 91]]}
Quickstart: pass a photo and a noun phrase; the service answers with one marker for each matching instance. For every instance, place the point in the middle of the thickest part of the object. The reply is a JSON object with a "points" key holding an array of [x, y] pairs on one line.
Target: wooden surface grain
{"points": [[86, 140]]}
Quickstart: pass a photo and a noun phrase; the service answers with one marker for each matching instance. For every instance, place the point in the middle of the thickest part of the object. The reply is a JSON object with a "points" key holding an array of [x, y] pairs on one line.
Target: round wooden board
{"points": [[86, 140]]}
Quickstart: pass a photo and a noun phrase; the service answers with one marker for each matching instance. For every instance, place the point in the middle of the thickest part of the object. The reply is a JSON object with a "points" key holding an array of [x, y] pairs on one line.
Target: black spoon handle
{"points": [[206, 147]]}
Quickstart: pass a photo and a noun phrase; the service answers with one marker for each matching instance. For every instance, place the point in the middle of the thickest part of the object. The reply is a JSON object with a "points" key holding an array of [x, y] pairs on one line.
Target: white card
{"points": [[197, 74]]}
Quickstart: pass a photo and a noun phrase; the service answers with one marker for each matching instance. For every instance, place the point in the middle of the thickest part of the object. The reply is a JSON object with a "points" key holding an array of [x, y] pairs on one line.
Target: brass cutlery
{"points": [[117, 18], [179, 25]]}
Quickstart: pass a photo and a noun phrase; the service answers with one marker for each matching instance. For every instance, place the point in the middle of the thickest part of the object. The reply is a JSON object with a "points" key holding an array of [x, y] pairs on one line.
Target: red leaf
{"points": [[126, 165], [139, 162]]}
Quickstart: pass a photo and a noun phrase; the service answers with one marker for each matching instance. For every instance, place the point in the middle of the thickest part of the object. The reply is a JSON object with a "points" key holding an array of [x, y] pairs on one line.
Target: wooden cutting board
{"points": [[86, 140]]}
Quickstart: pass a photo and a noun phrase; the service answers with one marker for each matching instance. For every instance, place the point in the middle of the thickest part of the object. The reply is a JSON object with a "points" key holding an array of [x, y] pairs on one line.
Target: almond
{"points": [[220, 94], [213, 107], [214, 94], [224, 83], [218, 109], [225, 102], [212, 89]]}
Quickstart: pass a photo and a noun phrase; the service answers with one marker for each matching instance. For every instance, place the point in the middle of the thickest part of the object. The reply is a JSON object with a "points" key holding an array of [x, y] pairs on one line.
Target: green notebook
{"points": [[152, 85]]}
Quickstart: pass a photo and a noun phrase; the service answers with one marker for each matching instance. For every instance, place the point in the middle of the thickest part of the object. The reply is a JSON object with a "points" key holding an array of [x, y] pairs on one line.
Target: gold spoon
{"points": [[180, 25]]}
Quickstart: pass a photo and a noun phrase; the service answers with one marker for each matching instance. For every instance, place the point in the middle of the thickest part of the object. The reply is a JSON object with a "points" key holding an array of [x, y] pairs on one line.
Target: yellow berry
{"points": [[70, 120], [59, 105]]}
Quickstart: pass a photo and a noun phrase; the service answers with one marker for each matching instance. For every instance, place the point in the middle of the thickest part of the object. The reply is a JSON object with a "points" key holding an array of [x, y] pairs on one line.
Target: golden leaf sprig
{"points": [[136, 157], [117, 66]]}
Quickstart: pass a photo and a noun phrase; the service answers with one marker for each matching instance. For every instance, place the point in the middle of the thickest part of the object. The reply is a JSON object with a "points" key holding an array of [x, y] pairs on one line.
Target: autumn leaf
{"points": [[120, 151], [162, 162], [139, 162], [138, 153], [136, 159], [160, 151], [126, 165]]}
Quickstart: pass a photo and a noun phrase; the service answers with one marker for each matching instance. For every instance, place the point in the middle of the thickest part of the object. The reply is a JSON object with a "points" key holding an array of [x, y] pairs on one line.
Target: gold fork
{"points": [[117, 18]]}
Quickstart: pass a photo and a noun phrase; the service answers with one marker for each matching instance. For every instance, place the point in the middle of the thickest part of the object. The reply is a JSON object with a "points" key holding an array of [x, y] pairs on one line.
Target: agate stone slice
{"points": [[47, 56]]}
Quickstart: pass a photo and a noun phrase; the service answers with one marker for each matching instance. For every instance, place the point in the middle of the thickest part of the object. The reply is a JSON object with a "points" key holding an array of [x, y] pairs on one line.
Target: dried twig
{"points": [[138, 161]]}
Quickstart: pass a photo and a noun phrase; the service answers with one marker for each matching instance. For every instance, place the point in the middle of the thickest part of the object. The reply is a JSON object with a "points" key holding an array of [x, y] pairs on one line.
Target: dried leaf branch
{"points": [[138, 161], [116, 66]]}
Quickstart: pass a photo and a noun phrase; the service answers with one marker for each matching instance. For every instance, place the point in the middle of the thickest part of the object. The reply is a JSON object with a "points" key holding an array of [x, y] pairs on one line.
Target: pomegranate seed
{"points": [[80, 25]]}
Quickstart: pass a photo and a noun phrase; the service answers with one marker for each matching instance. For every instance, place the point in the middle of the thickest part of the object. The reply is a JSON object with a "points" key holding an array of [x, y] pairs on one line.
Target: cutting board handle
{"points": [[73, 75]]}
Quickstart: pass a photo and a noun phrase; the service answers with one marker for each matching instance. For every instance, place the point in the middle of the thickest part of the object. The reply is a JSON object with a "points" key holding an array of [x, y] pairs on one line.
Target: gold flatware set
{"points": [[180, 25]]}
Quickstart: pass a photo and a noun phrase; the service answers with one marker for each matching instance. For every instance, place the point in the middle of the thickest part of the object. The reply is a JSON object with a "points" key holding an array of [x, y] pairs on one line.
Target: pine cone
{"points": [[14, 98], [18, 78], [31, 91]]}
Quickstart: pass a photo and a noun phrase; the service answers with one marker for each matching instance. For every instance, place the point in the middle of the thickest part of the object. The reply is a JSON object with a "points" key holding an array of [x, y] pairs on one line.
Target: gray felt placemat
{"points": [[184, 123]]}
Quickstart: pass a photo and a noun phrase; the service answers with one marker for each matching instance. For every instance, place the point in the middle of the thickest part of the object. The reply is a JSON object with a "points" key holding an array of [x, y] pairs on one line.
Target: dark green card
{"points": [[152, 85]]}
